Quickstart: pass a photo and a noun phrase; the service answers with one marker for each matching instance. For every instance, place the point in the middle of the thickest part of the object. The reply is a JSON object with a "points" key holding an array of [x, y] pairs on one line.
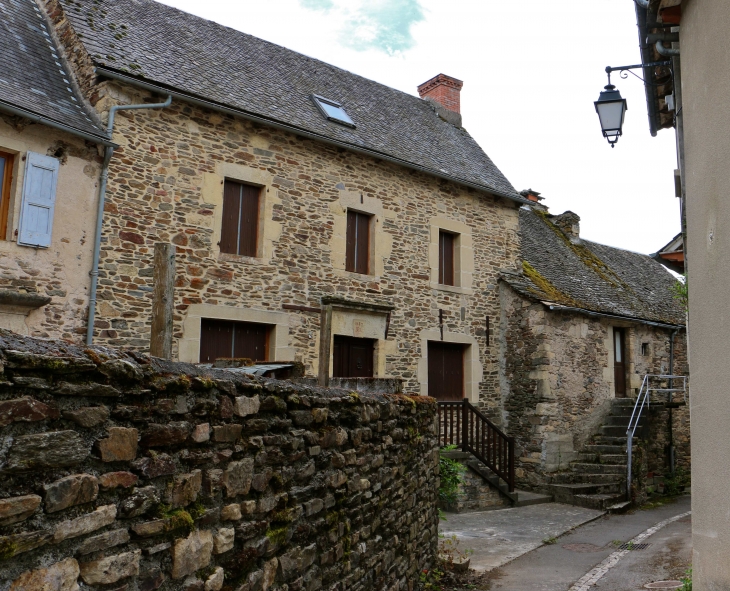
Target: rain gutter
{"points": [[97, 139], [558, 308], [302, 132]]}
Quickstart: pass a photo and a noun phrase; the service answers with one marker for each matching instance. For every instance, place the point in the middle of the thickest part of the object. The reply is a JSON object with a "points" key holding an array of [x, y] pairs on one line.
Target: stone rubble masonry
{"points": [[165, 185], [136, 499], [558, 384]]}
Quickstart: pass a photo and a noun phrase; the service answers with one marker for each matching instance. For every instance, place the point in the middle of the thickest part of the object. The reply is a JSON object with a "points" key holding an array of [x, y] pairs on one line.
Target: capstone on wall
{"points": [[118, 471], [58, 274], [558, 381], [166, 185]]}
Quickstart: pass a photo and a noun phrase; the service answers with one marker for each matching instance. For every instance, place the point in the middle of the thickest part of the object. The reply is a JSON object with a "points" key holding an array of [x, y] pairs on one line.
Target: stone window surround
{"points": [[463, 255], [268, 231], [279, 340], [380, 242], [473, 369]]}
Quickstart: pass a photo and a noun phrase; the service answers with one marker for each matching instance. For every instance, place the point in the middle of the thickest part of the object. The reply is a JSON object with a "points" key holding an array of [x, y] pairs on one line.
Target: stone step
{"points": [[620, 507], [567, 493], [623, 421], [597, 468], [612, 440], [604, 449], [601, 502], [612, 431], [623, 402], [598, 458], [583, 478], [525, 498]]}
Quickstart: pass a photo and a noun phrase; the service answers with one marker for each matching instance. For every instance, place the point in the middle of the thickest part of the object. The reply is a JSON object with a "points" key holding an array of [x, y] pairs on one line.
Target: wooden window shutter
{"points": [[446, 258], [357, 259], [6, 173], [39, 200], [231, 215], [249, 220], [240, 219]]}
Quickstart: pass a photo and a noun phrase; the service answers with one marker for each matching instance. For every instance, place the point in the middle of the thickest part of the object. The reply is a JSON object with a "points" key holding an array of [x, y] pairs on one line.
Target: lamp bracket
{"points": [[622, 69]]}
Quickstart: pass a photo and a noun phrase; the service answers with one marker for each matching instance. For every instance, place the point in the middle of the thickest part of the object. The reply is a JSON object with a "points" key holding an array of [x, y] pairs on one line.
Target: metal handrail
{"points": [[644, 398], [464, 425]]}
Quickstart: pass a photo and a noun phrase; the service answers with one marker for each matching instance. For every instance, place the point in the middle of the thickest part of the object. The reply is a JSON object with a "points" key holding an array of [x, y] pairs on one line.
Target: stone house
{"points": [[581, 326], [49, 169], [303, 200]]}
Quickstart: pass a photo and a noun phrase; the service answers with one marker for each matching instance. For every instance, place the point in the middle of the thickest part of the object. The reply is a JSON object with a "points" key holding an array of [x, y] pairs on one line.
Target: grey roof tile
{"points": [[591, 276], [32, 76], [169, 47]]}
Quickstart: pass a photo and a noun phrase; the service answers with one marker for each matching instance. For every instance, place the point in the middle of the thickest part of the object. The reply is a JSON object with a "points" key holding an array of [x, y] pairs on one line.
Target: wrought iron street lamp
{"points": [[611, 106], [611, 109]]}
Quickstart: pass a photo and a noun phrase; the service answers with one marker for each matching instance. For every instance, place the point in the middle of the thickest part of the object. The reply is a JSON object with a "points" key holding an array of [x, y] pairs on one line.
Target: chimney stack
{"points": [[443, 89], [569, 223], [532, 195]]}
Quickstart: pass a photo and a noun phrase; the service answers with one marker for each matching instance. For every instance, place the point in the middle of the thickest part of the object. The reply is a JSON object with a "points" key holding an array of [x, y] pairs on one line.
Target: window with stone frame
{"points": [[6, 170], [447, 252], [227, 339], [357, 258], [240, 220]]}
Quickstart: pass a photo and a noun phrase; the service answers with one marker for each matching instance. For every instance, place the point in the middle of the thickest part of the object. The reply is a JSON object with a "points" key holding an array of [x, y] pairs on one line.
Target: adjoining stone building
{"points": [[50, 161], [581, 326], [290, 186]]}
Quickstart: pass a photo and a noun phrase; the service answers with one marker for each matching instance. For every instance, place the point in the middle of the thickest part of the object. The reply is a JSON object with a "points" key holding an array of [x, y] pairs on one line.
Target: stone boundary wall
{"points": [[127, 473]]}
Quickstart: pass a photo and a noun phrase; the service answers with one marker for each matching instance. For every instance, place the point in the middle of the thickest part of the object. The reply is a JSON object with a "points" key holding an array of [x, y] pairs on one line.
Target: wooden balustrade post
{"points": [[464, 425]]}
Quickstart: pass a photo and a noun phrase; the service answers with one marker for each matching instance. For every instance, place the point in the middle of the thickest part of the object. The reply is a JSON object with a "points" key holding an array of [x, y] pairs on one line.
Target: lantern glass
{"points": [[611, 109]]}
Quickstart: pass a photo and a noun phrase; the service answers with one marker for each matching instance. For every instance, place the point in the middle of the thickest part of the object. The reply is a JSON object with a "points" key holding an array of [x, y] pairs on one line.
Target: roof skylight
{"points": [[333, 110]]}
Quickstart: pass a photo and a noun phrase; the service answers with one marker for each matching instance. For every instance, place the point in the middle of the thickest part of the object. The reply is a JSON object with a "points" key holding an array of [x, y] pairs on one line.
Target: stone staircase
{"points": [[597, 480]]}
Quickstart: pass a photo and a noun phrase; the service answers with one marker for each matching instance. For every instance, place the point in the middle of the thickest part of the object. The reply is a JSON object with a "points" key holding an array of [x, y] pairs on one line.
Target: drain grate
{"points": [[630, 546], [582, 547], [664, 585]]}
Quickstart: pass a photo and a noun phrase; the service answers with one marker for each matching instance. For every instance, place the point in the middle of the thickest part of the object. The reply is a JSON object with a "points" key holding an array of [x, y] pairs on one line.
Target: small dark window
{"points": [[228, 339], [352, 357], [446, 258], [358, 242], [6, 168], [333, 110], [644, 348], [239, 228]]}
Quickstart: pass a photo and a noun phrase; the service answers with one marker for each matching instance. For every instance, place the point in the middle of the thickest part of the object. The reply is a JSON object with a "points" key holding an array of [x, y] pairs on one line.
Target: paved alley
{"points": [[589, 557]]}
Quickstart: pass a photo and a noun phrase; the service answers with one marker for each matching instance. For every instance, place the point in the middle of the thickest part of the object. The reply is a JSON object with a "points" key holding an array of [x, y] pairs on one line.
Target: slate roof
{"points": [[189, 54], [32, 77], [591, 276]]}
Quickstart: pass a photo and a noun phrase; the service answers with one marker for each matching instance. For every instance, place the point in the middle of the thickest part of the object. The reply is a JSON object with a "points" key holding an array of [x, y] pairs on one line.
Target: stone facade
{"points": [[558, 380], [166, 185], [125, 472], [44, 292]]}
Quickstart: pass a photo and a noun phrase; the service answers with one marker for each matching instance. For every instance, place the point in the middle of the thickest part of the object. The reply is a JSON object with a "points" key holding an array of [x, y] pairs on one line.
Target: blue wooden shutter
{"points": [[39, 200]]}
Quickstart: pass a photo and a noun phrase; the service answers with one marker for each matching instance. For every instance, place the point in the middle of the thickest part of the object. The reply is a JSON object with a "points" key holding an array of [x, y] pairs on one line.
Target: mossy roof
{"points": [[591, 276]]}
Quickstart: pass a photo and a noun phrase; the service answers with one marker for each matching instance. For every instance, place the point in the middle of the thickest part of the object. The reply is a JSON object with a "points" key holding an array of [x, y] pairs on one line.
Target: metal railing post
{"points": [[511, 482]]}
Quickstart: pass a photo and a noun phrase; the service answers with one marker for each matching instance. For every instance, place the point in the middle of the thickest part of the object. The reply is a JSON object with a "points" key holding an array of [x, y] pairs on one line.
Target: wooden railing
{"points": [[465, 426]]}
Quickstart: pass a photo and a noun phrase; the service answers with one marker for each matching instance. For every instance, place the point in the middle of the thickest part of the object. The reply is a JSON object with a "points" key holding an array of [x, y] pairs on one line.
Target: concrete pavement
{"points": [[497, 537], [557, 567]]}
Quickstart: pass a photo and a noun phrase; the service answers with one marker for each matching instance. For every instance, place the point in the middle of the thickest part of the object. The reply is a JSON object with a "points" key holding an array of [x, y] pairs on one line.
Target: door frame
{"points": [[473, 368], [619, 330]]}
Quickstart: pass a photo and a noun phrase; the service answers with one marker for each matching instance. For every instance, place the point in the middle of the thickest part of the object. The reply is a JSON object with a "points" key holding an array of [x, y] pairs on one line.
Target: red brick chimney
{"points": [[445, 90]]}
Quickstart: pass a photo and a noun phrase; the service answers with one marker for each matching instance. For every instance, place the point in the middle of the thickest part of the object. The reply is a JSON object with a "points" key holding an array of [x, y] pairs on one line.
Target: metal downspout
{"points": [[669, 399], [666, 51], [100, 211]]}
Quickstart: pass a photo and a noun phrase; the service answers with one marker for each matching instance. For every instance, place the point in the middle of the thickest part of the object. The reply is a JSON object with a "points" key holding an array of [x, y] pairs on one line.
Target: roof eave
{"points": [[645, 59], [187, 97], [36, 118]]}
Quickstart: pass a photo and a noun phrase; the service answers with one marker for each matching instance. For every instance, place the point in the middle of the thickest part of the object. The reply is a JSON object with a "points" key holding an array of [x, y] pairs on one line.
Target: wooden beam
{"points": [[163, 300], [325, 345]]}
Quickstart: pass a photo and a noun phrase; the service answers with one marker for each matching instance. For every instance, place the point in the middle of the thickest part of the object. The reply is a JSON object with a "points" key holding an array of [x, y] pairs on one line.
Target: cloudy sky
{"points": [[531, 71]]}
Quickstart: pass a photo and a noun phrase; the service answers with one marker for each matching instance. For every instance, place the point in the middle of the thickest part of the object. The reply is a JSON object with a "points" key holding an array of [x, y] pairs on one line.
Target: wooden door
{"points": [[445, 371], [619, 362], [352, 357], [250, 340]]}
